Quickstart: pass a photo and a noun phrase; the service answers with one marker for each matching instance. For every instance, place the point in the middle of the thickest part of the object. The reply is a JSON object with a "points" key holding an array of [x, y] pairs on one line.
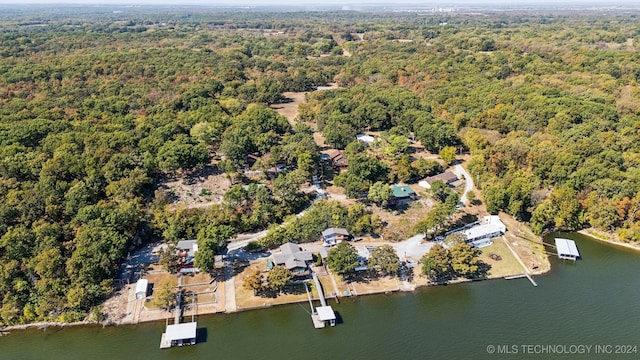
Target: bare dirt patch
{"points": [[375, 285], [400, 223], [289, 107], [200, 188]]}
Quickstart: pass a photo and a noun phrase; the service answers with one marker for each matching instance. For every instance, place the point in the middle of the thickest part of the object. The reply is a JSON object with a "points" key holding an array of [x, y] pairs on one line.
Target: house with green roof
{"points": [[402, 195]]}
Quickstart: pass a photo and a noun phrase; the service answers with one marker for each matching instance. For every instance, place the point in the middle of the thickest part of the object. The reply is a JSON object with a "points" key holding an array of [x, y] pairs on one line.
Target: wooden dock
{"points": [[520, 276]]}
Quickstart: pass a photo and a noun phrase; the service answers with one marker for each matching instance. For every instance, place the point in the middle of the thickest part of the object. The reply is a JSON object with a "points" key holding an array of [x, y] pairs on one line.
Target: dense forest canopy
{"points": [[96, 108]]}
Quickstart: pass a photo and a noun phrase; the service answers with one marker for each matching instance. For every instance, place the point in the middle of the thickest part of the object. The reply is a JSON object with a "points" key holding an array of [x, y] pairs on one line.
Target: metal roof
{"points": [[188, 245], [325, 313], [141, 286], [567, 247], [446, 177], [181, 331], [488, 225], [332, 231], [402, 191]]}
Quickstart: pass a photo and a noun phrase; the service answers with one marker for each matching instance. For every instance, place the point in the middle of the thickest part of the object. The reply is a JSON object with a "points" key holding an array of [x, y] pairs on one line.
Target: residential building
{"points": [[292, 257], [333, 236], [402, 195], [446, 177]]}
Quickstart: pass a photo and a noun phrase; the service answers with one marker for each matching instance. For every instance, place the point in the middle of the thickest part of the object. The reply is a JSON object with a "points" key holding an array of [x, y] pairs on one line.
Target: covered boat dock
{"points": [[567, 249], [179, 335]]}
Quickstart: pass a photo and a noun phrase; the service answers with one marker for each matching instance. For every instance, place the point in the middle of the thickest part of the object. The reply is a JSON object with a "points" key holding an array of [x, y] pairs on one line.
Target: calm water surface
{"points": [[595, 301]]}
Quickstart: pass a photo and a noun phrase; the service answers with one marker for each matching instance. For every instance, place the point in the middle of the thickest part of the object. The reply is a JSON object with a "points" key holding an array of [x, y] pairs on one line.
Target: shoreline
{"points": [[596, 235], [4, 331]]}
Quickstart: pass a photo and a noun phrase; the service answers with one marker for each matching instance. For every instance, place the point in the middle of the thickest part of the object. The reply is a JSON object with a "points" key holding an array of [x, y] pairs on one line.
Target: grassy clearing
{"points": [[509, 265]]}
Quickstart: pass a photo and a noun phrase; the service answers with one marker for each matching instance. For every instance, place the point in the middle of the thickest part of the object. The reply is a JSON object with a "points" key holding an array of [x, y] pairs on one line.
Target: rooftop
{"points": [[488, 225], [446, 177], [292, 256], [181, 331], [567, 247], [188, 245], [325, 313], [401, 191], [365, 138], [335, 231]]}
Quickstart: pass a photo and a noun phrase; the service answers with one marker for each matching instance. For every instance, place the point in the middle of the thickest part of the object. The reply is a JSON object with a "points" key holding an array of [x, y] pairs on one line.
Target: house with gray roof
{"points": [[292, 257], [333, 236]]}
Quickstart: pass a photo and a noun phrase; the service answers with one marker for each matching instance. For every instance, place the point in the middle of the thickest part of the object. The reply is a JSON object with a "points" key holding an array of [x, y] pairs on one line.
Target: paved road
{"points": [[229, 290]]}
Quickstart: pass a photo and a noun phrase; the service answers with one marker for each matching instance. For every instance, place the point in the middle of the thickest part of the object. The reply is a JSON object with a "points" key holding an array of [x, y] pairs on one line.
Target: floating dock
{"points": [[567, 249]]}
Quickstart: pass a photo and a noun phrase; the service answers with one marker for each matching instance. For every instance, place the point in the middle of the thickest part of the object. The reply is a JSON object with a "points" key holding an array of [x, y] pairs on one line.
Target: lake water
{"points": [[586, 310]]}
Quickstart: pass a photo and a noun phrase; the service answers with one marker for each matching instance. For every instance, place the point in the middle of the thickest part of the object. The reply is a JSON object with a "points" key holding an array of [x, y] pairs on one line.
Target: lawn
{"points": [[508, 265], [246, 298]]}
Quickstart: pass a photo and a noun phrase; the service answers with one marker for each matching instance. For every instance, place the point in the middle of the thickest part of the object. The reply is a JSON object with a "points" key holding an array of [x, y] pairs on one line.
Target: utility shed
{"points": [[179, 335], [567, 249], [141, 288]]}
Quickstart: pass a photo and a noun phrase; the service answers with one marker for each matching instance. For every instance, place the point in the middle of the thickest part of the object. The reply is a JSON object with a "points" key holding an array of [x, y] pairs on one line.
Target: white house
{"points": [[480, 233]]}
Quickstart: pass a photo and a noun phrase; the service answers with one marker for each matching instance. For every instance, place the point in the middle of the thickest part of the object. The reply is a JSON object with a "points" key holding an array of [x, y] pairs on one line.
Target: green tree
{"points": [[168, 258], [465, 261], [210, 239], [425, 168], [404, 170], [343, 259], [436, 264], [338, 135], [448, 154], [164, 296], [386, 260], [380, 193], [278, 277]]}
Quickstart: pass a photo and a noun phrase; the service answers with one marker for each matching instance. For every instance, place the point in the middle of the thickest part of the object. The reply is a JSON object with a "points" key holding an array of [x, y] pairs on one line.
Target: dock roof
{"points": [[567, 247], [325, 313], [181, 331]]}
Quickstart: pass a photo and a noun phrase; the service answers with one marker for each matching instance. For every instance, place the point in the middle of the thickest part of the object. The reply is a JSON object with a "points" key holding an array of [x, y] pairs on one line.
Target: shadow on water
{"points": [[339, 319], [201, 335]]}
